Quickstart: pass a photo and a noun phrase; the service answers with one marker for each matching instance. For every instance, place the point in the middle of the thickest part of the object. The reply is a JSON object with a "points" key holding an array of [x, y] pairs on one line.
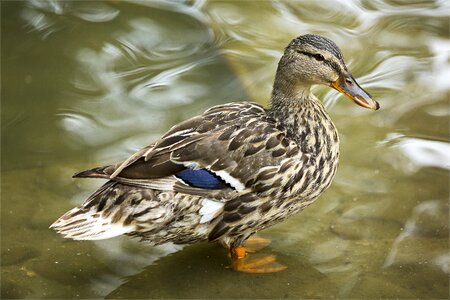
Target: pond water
{"points": [[86, 83]]}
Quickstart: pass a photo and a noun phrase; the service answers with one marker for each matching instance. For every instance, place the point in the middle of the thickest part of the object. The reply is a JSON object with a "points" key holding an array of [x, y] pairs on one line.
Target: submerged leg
{"points": [[258, 263], [256, 243]]}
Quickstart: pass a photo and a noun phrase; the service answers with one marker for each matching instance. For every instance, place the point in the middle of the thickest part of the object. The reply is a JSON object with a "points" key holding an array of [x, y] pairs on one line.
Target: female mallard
{"points": [[232, 171]]}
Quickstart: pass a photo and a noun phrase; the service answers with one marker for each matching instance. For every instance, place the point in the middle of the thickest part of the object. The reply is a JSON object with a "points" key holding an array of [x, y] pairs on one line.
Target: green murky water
{"points": [[87, 83]]}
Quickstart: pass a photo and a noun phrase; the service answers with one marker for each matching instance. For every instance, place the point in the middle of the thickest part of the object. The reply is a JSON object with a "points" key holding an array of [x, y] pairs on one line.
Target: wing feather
{"points": [[234, 141]]}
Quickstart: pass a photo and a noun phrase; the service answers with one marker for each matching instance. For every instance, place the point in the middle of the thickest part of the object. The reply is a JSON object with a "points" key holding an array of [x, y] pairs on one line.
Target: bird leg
{"points": [[256, 243], [257, 263]]}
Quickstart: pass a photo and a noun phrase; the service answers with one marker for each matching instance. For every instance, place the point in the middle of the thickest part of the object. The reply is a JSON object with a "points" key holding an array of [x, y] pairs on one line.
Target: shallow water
{"points": [[88, 83]]}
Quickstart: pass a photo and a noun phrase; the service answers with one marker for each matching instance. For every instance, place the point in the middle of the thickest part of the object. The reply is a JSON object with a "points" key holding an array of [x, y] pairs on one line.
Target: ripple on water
{"points": [[43, 16], [417, 242], [140, 70], [410, 154]]}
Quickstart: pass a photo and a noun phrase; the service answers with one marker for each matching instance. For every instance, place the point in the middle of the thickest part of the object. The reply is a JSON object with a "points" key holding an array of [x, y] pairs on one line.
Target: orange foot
{"points": [[256, 243], [258, 263]]}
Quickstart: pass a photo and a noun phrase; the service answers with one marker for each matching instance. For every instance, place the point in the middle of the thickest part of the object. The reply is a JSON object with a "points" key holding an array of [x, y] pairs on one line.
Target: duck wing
{"points": [[224, 149]]}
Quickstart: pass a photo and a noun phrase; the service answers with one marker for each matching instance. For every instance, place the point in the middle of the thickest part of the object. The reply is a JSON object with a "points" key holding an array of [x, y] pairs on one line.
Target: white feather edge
{"points": [[161, 184], [234, 182], [89, 225], [210, 209]]}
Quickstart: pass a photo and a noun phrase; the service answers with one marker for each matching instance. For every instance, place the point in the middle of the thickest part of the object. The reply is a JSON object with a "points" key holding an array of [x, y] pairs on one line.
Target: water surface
{"points": [[87, 83]]}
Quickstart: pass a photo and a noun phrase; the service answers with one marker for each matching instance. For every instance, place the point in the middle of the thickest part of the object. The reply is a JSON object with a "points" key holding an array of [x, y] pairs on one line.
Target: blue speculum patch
{"points": [[201, 178]]}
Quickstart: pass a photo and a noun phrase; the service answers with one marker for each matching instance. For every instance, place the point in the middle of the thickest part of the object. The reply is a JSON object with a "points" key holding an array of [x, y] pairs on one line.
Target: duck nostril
{"points": [[349, 81]]}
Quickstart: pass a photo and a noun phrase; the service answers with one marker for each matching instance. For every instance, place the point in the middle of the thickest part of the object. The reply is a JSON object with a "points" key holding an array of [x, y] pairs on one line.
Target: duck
{"points": [[230, 172]]}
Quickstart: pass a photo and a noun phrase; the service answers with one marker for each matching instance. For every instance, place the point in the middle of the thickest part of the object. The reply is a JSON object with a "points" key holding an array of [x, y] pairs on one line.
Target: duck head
{"points": [[311, 59]]}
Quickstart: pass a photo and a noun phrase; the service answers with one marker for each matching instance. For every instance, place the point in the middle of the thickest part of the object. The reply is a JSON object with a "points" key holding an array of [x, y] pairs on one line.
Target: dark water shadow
{"points": [[201, 271]]}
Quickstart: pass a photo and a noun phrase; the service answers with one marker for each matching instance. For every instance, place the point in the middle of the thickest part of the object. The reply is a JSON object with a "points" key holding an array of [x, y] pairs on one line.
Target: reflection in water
{"points": [[403, 250], [417, 153], [422, 153], [115, 75], [127, 261], [441, 67], [42, 16]]}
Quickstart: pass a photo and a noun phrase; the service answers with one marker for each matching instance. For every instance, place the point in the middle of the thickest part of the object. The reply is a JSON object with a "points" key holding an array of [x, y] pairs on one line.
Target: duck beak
{"points": [[348, 86]]}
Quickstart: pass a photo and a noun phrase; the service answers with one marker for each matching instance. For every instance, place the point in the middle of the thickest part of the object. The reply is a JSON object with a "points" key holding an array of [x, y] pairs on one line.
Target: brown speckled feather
{"points": [[240, 140]]}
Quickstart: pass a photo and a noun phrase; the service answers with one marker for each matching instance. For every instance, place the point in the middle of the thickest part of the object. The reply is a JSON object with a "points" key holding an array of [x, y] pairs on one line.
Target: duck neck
{"points": [[302, 116], [291, 105]]}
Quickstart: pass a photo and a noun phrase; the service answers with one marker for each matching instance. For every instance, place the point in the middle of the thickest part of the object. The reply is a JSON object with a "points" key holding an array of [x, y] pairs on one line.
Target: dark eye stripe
{"points": [[316, 56], [332, 64]]}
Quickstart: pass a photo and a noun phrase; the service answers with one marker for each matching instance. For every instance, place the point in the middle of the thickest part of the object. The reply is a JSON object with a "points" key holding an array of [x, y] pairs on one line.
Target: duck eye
{"points": [[319, 57]]}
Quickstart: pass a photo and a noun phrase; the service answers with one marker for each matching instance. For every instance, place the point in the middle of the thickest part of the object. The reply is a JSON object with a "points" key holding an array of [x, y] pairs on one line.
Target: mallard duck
{"points": [[230, 172]]}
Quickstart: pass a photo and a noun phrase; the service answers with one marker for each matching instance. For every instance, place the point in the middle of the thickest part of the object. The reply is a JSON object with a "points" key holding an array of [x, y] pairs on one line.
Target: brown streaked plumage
{"points": [[236, 169]]}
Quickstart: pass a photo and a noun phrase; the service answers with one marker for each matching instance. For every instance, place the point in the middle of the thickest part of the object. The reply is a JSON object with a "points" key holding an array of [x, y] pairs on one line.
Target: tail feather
{"points": [[100, 172], [87, 222], [88, 225]]}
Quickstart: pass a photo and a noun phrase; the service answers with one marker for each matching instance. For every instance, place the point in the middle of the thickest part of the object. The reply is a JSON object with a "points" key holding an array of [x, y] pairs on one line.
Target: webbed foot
{"points": [[256, 243], [257, 263]]}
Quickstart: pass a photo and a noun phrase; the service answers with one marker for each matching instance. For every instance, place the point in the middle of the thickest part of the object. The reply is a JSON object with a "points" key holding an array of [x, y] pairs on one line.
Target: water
{"points": [[88, 83]]}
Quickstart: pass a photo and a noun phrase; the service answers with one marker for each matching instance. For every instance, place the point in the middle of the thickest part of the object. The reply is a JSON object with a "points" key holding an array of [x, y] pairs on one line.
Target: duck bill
{"points": [[348, 86]]}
